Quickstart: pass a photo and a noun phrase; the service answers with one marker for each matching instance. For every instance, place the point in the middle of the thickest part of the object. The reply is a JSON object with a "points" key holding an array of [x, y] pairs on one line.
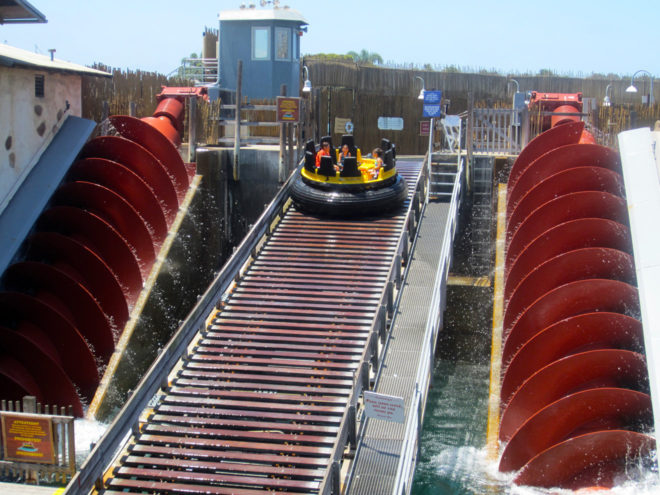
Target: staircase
{"points": [[443, 174]]}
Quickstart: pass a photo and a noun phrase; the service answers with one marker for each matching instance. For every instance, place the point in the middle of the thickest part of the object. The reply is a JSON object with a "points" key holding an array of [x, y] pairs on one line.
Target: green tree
{"points": [[452, 69], [366, 57], [329, 56], [190, 67]]}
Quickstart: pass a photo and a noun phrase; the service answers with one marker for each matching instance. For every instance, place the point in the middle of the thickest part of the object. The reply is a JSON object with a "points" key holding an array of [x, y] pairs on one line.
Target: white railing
{"points": [[496, 130], [200, 70]]}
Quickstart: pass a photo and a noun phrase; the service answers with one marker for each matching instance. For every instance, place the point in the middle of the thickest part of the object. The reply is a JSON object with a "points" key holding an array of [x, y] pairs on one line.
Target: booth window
{"points": [[294, 46], [260, 43], [39, 85], [282, 43]]}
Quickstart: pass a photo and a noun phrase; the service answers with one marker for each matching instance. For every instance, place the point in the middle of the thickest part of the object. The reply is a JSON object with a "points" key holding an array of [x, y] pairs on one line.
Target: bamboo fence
{"points": [[345, 90]]}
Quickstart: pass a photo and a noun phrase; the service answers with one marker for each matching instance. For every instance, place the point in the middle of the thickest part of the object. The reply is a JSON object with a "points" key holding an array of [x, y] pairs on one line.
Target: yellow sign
{"points": [[27, 438], [288, 109]]}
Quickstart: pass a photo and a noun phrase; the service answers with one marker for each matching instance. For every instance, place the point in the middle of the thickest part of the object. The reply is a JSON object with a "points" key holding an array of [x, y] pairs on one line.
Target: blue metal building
{"points": [[268, 43]]}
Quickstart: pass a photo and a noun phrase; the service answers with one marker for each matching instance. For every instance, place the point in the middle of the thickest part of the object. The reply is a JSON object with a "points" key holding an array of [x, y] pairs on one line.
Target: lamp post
{"points": [[606, 101], [307, 86], [517, 85], [633, 89], [421, 93], [430, 152]]}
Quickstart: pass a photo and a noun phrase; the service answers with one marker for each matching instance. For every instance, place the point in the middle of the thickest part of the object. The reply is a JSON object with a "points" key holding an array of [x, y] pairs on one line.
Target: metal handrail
{"points": [[117, 433], [327, 485], [204, 70], [406, 463]]}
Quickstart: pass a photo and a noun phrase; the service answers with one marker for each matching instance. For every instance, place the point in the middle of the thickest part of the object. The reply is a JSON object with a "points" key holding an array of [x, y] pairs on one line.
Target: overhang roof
{"points": [[15, 57], [253, 14], [19, 11]]}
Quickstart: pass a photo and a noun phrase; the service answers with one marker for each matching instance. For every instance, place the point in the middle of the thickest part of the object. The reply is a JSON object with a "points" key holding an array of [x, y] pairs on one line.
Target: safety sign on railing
{"points": [[381, 406]]}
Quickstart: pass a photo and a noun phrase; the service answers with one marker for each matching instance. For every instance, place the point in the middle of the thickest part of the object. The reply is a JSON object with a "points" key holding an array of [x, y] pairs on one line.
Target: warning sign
{"points": [[288, 109], [386, 407], [342, 125], [27, 438]]}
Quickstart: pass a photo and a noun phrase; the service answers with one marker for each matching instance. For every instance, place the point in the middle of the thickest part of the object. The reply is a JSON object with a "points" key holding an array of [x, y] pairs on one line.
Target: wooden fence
{"points": [[364, 93], [138, 87]]}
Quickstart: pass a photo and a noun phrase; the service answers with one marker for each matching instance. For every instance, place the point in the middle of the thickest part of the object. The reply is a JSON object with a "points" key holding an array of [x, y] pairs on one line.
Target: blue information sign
{"points": [[432, 100]]}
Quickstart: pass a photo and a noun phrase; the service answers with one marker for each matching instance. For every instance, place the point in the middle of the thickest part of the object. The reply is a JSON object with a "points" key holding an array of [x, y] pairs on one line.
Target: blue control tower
{"points": [[268, 43]]}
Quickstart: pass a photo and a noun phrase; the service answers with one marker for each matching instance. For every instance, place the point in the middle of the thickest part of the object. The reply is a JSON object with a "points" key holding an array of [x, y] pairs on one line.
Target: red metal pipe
{"points": [[165, 127], [174, 110], [558, 119]]}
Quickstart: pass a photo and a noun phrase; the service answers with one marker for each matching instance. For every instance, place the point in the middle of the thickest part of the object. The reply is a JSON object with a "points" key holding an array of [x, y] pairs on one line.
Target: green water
{"points": [[451, 458], [454, 433]]}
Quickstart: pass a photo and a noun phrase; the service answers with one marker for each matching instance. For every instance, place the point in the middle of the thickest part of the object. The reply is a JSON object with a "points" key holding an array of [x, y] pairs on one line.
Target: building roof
{"points": [[253, 14], [15, 57], [17, 11]]}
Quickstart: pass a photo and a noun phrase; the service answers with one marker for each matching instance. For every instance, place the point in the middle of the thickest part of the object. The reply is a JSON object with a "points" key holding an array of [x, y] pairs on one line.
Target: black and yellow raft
{"points": [[352, 191]]}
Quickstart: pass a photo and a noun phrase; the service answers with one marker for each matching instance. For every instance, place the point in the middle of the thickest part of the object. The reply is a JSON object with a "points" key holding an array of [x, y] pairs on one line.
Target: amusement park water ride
{"points": [[572, 340], [355, 187]]}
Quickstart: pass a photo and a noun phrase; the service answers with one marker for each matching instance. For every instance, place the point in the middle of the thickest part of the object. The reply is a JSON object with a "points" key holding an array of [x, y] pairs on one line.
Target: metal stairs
{"points": [[443, 175]]}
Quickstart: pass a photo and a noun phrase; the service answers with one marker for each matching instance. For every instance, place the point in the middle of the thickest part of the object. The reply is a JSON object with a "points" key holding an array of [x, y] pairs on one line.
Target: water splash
{"points": [[87, 433]]}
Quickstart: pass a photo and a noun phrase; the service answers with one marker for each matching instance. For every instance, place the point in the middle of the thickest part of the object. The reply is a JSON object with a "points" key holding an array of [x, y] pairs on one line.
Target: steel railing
{"points": [[331, 484], [407, 460]]}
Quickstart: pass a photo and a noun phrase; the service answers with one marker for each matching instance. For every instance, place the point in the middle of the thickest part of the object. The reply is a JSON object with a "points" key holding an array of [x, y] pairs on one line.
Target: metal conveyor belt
{"points": [[258, 405]]}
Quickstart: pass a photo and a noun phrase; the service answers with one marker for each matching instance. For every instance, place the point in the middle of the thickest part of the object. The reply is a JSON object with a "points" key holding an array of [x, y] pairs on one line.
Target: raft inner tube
{"points": [[350, 188]]}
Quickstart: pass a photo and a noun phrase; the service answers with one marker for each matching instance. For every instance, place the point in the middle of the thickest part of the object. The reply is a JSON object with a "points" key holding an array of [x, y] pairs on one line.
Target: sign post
{"points": [[288, 113]]}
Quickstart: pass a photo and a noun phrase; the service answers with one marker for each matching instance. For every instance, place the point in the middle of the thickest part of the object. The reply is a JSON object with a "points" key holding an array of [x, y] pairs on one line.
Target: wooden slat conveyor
{"points": [[265, 401]]}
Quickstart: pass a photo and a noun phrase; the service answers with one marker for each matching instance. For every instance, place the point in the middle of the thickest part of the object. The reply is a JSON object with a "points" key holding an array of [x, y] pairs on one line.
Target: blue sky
{"points": [[572, 37]]}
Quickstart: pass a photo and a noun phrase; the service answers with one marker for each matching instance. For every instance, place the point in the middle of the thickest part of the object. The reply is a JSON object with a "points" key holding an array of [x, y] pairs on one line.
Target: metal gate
{"points": [[496, 130]]}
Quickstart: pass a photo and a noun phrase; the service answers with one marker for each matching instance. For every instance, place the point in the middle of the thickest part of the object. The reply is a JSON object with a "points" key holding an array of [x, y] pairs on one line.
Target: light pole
{"points": [[307, 86], [633, 89], [421, 93], [606, 101], [430, 152], [517, 85]]}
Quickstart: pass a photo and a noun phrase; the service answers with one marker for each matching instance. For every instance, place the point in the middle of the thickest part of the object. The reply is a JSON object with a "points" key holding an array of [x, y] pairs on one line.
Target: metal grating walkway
{"points": [[382, 444], [258, 404]]}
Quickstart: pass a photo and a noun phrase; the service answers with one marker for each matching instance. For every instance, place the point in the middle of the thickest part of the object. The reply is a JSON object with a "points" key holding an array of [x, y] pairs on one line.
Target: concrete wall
{"points": [[28, 123]]}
